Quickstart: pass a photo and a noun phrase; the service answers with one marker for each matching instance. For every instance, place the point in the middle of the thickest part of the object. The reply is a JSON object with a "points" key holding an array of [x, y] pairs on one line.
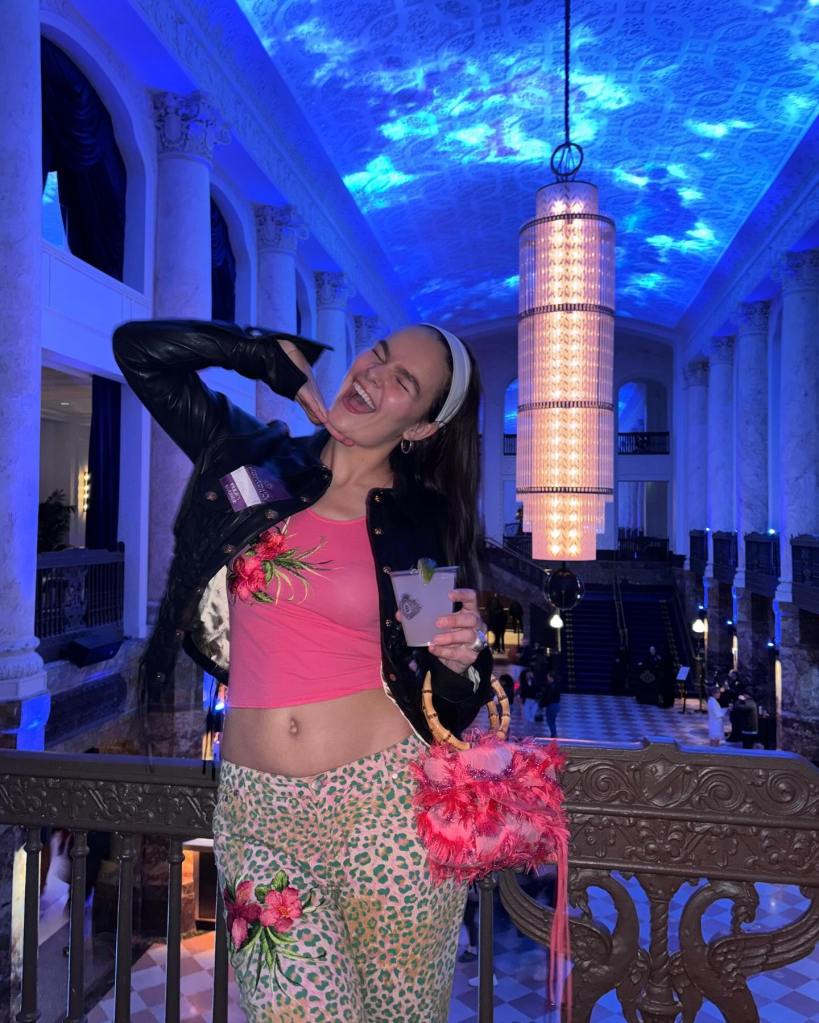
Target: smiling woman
{"points": [[328, 892]]}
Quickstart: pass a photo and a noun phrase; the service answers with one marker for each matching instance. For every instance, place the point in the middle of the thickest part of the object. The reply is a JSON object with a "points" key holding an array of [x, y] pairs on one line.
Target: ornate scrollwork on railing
{"points": [[100, 793], [670, 816]]}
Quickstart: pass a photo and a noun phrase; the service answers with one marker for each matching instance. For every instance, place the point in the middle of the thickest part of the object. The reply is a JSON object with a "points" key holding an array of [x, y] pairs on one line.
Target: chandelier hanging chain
{"points": [[567, 159], [567, 45]]}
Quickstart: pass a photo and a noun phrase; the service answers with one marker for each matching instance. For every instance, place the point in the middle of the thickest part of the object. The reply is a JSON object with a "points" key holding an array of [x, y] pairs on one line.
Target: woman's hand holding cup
{"points": [[463, 633]]}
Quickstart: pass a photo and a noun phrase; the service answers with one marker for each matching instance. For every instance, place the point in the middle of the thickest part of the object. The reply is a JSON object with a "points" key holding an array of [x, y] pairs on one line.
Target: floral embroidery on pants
{"points": [[258, 919]]}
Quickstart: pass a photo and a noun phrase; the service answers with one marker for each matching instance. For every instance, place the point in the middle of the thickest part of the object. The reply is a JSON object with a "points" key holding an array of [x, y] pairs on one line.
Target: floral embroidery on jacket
{"points": [[259, 917], [271, 558]]}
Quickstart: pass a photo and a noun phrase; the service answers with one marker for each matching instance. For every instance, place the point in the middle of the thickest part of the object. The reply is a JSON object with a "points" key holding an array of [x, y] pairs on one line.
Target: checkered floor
{"points": [[788, 995]]}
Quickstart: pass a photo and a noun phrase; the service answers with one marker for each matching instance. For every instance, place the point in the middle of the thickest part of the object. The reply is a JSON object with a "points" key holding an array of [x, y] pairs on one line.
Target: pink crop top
{"points": [[308, 644]]}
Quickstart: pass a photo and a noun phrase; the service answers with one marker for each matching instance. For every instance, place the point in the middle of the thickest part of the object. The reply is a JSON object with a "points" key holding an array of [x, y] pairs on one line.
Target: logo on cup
{"points": [[409, 606]]}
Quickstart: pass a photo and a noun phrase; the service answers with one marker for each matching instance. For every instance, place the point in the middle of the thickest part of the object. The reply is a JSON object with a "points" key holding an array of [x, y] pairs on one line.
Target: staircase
{"points": [[591, 639], [651, 620]]}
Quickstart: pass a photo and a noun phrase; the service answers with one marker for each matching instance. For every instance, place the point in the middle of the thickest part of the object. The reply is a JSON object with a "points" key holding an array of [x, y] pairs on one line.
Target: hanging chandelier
{"points": [[565, 463]]}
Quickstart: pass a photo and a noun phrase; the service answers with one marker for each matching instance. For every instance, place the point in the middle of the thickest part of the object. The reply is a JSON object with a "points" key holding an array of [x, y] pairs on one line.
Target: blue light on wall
{"points": [[442, 127]]}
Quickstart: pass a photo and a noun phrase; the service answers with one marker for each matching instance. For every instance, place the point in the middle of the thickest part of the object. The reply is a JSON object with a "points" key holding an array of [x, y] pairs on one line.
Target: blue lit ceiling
{"points": [[441, 117]]}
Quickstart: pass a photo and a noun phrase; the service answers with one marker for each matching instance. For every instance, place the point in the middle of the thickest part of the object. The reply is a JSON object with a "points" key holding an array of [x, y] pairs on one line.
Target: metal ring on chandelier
{"points": [[568, 307], [604, 406], [567, 216], [565, 490]]}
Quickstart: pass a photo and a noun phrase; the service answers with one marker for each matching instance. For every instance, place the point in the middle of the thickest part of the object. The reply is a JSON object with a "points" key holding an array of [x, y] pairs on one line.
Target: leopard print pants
{"points": [[331, 914]]}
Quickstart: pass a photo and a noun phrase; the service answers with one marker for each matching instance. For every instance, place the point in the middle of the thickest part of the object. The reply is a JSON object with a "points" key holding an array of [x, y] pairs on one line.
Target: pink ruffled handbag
{"points": [[492, 804]]}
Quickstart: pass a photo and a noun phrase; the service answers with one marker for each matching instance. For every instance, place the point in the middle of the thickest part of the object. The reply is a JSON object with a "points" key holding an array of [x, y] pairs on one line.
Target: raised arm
{"points": [[160, 360]]}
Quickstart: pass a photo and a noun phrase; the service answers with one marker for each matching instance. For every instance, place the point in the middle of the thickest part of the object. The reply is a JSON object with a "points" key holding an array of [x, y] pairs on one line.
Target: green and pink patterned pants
{"points": [[332, 917]]}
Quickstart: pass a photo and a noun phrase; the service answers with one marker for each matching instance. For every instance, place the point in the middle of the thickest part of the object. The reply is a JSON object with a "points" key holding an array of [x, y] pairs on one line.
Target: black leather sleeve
{"points": [[160, 360]]}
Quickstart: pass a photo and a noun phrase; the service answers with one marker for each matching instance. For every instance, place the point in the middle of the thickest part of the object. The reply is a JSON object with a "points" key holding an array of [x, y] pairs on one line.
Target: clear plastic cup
{"points": [[421, 603]]}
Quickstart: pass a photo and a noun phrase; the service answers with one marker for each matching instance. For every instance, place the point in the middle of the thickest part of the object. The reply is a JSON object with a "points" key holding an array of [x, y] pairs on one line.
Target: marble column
{"points": [[278, 232], [332, 291], [798, 419], [721, 436], [695, 380], [720, 489], [751, 405], [799, 496], [367, 332], [751, 426], [187, 130], [24, 702]]}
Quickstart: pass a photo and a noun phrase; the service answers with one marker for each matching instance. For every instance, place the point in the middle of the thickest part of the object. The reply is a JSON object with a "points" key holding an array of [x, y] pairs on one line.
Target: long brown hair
{"points": [[447, 467]]}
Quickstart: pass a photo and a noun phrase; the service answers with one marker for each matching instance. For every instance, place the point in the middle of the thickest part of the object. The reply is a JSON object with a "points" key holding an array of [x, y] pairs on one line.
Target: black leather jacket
{"points": [[160, 360]]}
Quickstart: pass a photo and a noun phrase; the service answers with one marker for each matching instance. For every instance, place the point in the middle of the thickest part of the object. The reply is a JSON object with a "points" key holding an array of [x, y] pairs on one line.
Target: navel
{"points": [[294, 727]]}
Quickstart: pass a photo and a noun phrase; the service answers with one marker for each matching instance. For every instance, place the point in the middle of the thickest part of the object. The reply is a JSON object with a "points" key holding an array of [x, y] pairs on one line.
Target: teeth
{"points": [[359, 390]]}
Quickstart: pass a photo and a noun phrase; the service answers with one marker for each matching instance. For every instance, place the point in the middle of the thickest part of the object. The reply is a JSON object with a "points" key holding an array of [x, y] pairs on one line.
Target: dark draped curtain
{"points": [[222, 267], [102, 521], [79, 144]]}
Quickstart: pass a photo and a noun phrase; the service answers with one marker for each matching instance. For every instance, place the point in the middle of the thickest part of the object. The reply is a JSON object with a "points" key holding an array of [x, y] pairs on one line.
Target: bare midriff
{"points": [[314, 737]]}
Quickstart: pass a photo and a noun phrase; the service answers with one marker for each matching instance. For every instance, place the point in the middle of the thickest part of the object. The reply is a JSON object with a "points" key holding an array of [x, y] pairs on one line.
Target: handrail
{"points": [[664, 813]]}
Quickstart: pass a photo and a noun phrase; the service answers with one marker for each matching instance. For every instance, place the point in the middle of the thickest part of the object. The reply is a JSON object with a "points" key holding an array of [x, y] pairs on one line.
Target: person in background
{"points": [[619, 673], [550, 701], [748, 720], [716, 717], [528, 695], [516, 616]]}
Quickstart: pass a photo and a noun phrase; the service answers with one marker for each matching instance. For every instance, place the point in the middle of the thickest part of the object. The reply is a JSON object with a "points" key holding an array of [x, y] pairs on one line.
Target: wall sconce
{"points": [[84, 490], [698, 627]]}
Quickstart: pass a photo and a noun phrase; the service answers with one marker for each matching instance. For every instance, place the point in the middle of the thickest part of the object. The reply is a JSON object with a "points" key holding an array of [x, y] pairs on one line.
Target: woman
{"points": [[330, 909]]}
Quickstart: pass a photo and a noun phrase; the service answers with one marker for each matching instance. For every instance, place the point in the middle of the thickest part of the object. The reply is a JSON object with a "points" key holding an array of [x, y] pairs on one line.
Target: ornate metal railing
{"points": [[698, 550], [512, 557], [510, 443], [805, 552], [77, 590], [667, 816], [725, 556], [762, 563], [643, 548], [654, 443], [129, 797]]}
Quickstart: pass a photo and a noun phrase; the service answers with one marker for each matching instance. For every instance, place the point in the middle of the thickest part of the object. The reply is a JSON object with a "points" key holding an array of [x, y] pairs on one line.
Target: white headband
{"points": [[461, 373]]}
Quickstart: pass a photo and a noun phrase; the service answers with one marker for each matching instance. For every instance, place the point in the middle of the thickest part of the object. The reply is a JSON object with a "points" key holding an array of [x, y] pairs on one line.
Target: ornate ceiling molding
{"points": [[222, 54]]}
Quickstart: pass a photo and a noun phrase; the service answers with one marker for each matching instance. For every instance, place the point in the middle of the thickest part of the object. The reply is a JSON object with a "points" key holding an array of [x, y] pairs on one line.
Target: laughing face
{"points": [[389, 390]]}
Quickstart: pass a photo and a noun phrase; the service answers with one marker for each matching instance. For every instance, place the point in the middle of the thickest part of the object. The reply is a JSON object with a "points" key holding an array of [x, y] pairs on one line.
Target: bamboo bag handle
{"points": [[498, 723]]}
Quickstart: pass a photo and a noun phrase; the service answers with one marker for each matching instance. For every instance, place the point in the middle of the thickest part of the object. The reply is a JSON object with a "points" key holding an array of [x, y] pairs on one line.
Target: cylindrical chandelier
{"points": [[565, 376], [565, 457]]}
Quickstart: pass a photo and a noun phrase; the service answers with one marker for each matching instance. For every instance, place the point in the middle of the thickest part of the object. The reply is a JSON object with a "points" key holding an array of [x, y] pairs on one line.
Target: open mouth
{"points": [[357, 400]]}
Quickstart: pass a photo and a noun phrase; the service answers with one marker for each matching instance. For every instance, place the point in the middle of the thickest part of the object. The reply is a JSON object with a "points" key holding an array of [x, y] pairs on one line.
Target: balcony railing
{"points": [[643, 548], [725, 556], [805, 552], [653, 443], [77, 590], [689, 825], [698, 550], [762, 563], [510, 443]]}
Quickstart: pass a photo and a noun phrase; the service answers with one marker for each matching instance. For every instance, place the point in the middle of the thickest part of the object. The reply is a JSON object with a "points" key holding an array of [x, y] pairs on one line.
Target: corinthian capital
{"points": [[695, 373], [190, 125], [332, 289], [366, 332], [753, 317], [279, 228], [800, 271], [722, 351]]}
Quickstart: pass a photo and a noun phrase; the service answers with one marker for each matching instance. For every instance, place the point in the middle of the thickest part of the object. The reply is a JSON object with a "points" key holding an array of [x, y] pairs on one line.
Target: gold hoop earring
{"points": [[406, 445]]}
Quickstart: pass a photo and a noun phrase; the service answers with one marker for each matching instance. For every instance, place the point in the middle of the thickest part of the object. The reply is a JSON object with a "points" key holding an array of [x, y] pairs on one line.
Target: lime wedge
{"points": [[426, 566]]}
